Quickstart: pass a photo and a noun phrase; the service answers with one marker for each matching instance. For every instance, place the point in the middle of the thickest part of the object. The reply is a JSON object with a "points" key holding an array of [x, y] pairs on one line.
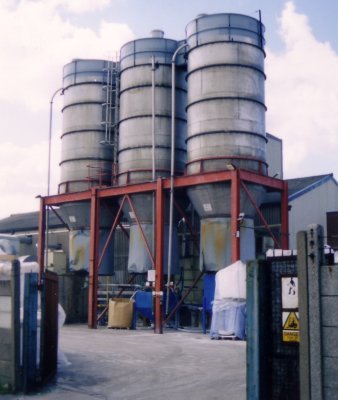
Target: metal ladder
{"points": [[111, 109]]}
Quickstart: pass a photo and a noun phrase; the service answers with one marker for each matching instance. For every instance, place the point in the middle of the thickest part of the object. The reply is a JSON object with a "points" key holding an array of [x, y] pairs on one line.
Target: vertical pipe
{"points": [[235, 209], [153, 69], [159, 257], [49, 166], [285, 217], [172, 165], [41, 238], [116, 119], [93, 259]]}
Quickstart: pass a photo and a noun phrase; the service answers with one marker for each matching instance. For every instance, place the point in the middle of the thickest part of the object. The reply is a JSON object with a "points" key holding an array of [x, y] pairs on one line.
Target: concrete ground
{"points": [[139, 365]]}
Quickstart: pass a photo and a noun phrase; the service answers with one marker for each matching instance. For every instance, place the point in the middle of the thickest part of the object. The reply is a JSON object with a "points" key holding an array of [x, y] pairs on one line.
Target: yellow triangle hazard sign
{"points": [[292, 322]]}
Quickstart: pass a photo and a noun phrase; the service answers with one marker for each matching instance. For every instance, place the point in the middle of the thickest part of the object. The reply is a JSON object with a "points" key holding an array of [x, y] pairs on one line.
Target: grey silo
{"points": [[84, 116], [86, 159], [135, 159], [226, 122]]}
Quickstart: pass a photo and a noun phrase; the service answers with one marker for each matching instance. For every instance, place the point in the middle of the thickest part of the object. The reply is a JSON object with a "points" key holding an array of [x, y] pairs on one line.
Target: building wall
{"points": [[311, 208], [274, 156]]}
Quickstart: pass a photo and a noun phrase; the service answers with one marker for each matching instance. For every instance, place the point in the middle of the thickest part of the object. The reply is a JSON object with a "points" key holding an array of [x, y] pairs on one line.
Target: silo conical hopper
{"points": [[85, 159], [138, 60], [226, 125]]}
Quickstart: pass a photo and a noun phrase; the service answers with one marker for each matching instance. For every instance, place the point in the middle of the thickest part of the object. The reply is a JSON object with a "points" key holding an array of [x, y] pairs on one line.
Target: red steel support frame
{"points": [[160, 186], [261, 216]]}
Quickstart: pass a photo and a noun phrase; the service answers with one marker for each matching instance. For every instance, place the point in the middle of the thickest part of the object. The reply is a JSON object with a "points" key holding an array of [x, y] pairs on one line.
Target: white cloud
{"points": [[83, 6], [36, 42], [23, 175], [302, 98]]}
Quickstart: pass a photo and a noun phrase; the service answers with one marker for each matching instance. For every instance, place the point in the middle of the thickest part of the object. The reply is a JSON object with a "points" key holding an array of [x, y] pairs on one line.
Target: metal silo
{"points": [[226, 124], [87, 112], [145, 89], [89, 89]]}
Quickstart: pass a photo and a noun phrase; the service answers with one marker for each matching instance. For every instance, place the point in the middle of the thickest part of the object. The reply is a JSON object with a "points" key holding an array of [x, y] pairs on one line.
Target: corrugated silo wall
{"points": [[226, 125], [135, 161]]}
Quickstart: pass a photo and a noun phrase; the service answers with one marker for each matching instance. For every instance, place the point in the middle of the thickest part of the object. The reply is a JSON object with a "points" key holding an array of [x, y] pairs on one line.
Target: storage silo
{"points": [[146, 64], [89, 91], [85, 160], [226, 125]]}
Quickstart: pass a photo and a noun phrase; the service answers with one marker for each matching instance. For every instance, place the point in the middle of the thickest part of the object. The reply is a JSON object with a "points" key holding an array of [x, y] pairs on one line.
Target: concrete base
{"points": [[130, 365]]}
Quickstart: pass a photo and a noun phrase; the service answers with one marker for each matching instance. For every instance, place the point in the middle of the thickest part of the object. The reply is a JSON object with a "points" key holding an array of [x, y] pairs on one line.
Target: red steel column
{"points": [[93, 259], [41, 238], [285, 217], [159, 257], [235, 210]]}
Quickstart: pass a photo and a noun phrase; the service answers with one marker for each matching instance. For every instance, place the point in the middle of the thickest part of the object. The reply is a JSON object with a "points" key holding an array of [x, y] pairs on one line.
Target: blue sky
{"points": [[37, 37]]}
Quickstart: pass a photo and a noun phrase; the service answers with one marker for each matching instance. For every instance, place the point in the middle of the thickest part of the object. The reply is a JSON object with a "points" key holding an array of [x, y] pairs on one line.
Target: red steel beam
{"points": [[261, 216], [198, 179], [93, 259], [128, 189], [179, 182], [124, 230], [262, 180], [67, 198], [116, 221], [41, 238], [184, 296], [60, 218], [159, 257], [285, 217], [235, 210], [141, 230]]}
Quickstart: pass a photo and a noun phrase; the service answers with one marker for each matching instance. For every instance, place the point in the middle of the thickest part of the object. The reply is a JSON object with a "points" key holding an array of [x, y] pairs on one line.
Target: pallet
{"points": [[225, 337]]}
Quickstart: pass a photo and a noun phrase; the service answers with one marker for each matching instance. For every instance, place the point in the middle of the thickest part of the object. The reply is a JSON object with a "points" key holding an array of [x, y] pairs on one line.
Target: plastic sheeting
{"points": [[228, 319], [229, 305]]}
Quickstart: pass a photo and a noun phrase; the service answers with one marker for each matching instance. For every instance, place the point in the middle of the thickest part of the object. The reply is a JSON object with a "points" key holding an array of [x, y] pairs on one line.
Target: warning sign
{"points": [[291, 322], [291, 336], [290, 326], [290, 292]]}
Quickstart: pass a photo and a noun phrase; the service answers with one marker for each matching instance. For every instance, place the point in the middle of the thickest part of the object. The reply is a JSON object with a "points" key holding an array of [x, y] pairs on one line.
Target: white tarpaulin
{"points": [[229, 305], [231, 282]]}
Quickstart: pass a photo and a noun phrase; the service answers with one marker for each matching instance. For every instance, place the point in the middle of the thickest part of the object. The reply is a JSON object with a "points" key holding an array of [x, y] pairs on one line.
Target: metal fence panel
{"points": [[30, 332], [284, 356], [49, 326]]}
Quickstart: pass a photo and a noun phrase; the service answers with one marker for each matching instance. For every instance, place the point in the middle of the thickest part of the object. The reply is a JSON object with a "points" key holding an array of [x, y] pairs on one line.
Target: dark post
{"points": [[15, 289]]}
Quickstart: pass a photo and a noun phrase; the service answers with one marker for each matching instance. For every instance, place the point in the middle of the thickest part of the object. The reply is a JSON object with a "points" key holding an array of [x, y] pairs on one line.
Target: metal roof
{"points": [[300, 186], [17, 223]]}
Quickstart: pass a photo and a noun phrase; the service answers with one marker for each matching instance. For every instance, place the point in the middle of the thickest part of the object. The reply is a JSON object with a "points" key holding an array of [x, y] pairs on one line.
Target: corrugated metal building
{"points": [[313, 199]]}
